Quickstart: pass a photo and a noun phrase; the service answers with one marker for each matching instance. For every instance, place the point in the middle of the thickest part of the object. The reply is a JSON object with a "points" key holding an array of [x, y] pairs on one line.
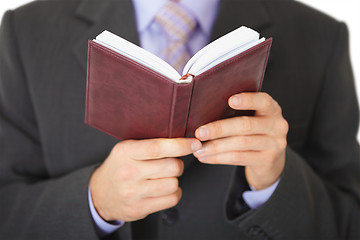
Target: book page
{"points": [[231, 54], [138, 54], [219, 48]]}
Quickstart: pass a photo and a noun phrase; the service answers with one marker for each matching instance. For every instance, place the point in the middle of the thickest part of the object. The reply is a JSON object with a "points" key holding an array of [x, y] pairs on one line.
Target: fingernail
{"points": [[196, 145], [203, 133], [202, 159], [235, 101], [200, 152]]}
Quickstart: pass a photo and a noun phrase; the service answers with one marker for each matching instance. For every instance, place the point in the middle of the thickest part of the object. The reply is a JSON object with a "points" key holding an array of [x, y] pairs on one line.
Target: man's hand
{"points": [[256, 142], [140, 177]]}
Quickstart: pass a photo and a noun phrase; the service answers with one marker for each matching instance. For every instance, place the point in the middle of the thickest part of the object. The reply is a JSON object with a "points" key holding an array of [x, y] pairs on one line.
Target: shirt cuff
{"points": [[102, 227], [254, 199]]}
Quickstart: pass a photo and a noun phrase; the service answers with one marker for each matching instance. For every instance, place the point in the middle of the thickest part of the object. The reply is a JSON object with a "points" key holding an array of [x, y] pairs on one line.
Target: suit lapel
{"points": [[250, 13], [113, 15], [235, 13]]}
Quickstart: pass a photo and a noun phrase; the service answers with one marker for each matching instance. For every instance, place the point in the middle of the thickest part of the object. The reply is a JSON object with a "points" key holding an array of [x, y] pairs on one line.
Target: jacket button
{"points": [[170, 216]]}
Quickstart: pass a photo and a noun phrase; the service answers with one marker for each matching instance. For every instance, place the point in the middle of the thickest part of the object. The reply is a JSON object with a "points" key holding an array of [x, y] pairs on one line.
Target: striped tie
{"points": [[178, 24]]}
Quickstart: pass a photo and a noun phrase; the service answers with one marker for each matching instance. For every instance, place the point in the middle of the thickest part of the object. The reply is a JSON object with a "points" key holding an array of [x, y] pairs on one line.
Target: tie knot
{"points": [[176, 20]]}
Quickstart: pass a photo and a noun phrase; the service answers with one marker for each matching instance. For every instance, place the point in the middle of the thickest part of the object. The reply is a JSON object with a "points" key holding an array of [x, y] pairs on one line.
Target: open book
{"points": [[211, 55], [131, 93]]}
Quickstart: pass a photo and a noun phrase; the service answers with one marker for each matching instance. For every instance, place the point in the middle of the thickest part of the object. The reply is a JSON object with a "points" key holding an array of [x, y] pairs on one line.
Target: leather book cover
{"points": [[130, 101]]}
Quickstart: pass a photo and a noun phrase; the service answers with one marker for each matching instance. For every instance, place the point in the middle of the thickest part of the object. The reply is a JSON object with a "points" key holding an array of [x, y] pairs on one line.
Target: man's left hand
{"points": [[257, 142]]}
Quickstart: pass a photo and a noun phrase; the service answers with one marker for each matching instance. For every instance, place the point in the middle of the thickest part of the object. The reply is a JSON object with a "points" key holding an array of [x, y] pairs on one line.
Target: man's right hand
{"points": [[140, 177]]}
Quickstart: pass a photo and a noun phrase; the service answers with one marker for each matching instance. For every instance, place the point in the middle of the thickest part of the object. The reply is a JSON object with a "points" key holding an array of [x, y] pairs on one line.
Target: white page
{"points": [[217, 48], [229, 55], [137, 54]]}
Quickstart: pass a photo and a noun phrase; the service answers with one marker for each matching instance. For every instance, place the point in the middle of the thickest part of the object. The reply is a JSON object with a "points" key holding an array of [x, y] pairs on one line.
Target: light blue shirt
{"points": [[152, 38]]}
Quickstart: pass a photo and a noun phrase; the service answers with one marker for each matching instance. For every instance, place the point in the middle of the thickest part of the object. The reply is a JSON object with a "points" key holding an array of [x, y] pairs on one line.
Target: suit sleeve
{"points": [[33, 205], [318, 196]]}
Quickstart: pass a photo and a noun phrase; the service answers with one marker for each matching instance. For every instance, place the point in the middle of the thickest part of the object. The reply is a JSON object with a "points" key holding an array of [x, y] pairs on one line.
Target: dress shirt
{"points": [[152, 38]]}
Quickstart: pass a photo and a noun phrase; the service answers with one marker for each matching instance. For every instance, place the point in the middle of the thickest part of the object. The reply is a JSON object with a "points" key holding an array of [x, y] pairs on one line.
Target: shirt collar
{"points": [[205, 14]]}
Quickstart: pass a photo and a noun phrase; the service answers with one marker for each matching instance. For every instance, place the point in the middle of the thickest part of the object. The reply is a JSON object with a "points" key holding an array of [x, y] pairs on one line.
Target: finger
{"points": [[235, 126], [235, 158], [157, 204], [159, 187], [237, 143], [162, 168], [161, 148], [261, 102]]}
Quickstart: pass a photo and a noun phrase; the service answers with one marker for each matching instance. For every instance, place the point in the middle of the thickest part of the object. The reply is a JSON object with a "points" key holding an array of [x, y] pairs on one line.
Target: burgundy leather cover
{"points": [[213, 88], [130, 101]]}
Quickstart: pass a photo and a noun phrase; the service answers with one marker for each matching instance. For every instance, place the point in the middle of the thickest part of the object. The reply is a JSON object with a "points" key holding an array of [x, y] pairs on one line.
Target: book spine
{"points": [[180, 109]]}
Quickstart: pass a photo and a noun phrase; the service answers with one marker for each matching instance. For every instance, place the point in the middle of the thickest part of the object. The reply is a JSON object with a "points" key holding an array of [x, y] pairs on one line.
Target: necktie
{"points": [[178, 24]]}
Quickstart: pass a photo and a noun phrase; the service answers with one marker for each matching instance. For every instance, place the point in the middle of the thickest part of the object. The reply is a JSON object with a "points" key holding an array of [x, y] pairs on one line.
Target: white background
{"points": [[343, 10]]}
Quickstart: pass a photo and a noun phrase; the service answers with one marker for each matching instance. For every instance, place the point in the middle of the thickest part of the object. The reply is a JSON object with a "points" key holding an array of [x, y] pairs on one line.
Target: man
{"points": [[60, 179]]}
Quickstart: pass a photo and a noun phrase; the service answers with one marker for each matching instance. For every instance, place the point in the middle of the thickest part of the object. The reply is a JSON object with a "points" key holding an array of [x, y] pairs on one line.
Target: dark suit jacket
{"points": [[47, 153]]}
